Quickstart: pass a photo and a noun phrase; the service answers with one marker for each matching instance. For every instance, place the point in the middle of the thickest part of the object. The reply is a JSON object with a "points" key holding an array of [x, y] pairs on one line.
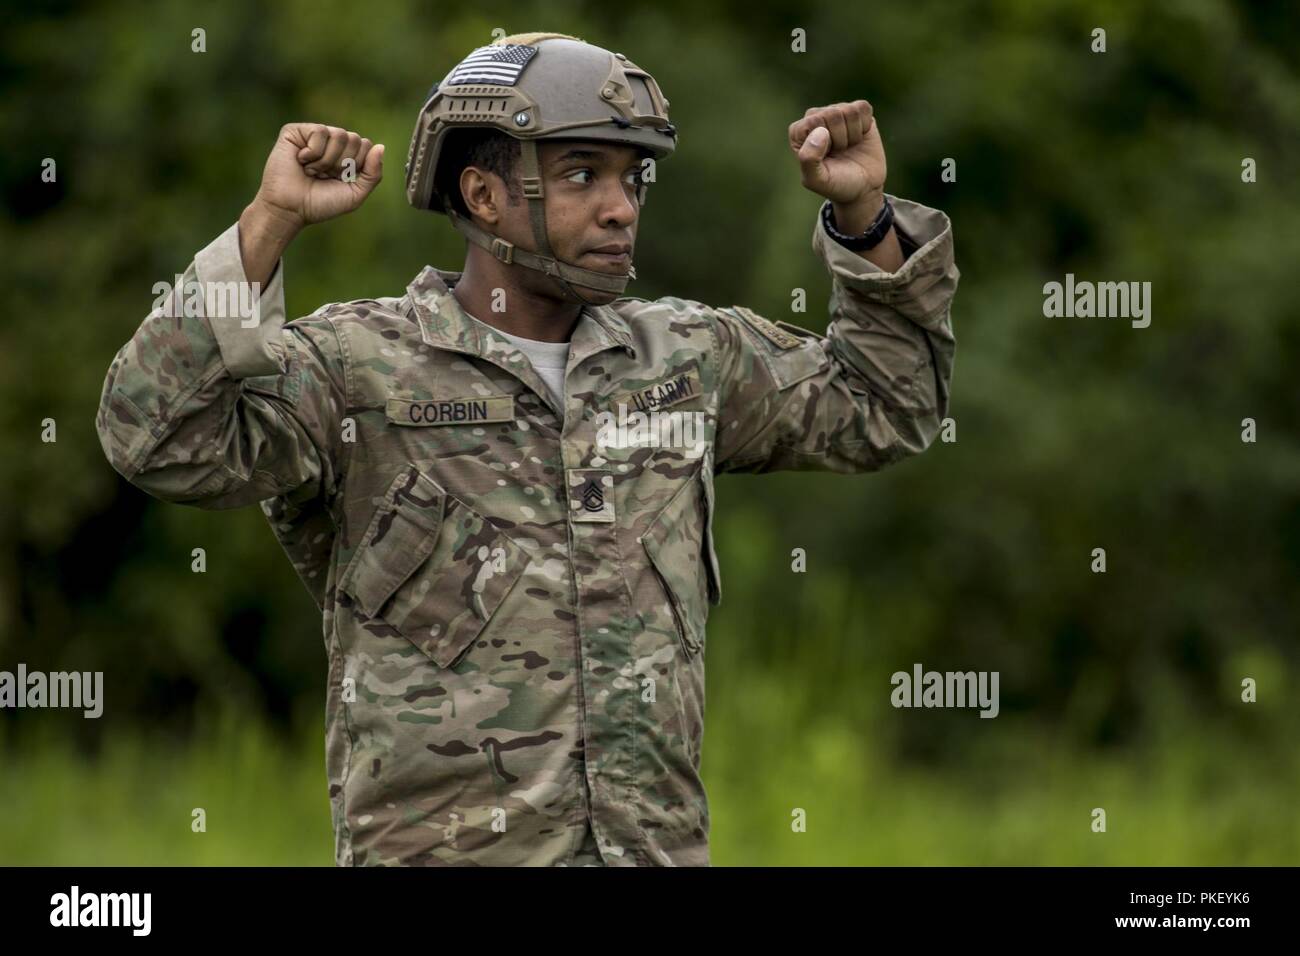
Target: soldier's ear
{"points": [[477, 193]]}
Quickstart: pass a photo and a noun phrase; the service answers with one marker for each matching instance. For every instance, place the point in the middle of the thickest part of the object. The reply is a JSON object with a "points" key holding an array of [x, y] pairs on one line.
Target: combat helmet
{"points": [[532, 87]]}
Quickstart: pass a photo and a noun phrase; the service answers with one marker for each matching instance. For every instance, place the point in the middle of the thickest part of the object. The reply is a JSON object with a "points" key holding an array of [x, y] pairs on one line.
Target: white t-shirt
{"points": [[548, 358]]}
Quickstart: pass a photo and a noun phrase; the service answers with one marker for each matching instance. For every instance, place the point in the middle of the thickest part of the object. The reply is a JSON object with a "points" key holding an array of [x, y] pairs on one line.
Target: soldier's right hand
{"points": [[317, 172]]}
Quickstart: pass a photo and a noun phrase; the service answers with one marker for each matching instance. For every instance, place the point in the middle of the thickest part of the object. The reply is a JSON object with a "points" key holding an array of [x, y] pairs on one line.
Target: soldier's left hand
{"points": [[840, 153]]}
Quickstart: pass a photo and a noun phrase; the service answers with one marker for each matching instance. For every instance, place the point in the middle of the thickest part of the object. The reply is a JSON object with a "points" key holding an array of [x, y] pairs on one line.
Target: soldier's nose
{"points": [[620, 210]]}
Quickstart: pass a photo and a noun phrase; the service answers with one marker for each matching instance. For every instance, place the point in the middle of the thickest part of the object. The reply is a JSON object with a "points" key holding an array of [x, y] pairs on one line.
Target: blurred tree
{"points": [[1071, 433]]}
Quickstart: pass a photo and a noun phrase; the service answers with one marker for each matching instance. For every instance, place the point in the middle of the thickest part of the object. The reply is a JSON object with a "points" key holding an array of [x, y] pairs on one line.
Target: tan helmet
{"points": [[539, 86]]}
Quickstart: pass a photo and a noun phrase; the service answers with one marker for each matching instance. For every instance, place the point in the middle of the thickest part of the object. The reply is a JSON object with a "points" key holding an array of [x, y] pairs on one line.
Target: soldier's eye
{"points": [[579, 172]]}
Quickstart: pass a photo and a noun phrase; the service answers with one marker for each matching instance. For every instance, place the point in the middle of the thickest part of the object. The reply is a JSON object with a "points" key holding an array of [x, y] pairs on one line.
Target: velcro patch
{"points": [[769, 330], [680, 387], [451, 411], [591, 494]]}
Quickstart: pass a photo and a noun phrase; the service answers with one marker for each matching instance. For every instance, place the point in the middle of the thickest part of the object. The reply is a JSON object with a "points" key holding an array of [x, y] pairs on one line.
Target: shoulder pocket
{"points": [[790, 353], [431, 568]]}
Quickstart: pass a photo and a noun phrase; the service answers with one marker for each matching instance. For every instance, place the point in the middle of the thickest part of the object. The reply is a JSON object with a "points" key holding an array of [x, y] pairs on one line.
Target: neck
{"points": [[529, 314]]}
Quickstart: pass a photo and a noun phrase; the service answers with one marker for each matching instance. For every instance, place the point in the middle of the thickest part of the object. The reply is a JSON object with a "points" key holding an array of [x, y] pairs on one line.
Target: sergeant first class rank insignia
{"points": [[451, 411]]}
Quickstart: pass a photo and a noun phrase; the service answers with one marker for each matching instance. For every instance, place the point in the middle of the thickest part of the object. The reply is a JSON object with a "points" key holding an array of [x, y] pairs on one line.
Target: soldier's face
{"points": [[591, 207]]}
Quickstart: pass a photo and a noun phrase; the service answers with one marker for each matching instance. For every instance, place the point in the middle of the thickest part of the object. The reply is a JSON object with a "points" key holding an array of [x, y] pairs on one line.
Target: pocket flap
{"points": [[432, 568], [676, 551], [403, 534], [472, 571], [666, 529]]}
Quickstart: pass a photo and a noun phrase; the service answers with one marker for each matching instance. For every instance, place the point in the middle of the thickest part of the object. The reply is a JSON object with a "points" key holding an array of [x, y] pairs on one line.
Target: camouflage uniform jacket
{"points": [[514, 599]]}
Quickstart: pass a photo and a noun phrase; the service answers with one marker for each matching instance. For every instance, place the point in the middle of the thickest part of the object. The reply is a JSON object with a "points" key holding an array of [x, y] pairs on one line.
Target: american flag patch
{"points": [[499, 65]]}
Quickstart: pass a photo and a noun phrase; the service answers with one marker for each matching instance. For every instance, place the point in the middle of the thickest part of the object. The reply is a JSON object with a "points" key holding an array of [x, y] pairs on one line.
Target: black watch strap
{"points": [[869, 239]]}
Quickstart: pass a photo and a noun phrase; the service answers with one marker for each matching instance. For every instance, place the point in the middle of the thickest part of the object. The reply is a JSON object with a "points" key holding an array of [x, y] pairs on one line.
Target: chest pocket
{"points": [[675, 543], [431, 568]]}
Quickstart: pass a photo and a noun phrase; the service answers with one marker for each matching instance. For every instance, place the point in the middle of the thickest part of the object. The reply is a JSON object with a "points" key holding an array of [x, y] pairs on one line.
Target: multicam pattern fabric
{"points": [[514, 599]]}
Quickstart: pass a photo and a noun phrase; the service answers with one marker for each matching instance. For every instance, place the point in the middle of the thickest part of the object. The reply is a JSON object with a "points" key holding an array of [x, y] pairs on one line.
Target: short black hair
{"points": [[485, 148], [488, 149]]}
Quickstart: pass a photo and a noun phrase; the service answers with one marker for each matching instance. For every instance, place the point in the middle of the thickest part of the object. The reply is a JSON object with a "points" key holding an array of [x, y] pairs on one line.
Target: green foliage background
{"points": [[1119, 690]]}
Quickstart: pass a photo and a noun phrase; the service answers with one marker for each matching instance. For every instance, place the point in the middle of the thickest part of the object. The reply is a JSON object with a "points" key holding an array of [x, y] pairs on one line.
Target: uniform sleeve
{"points": [[216, 401], [873, 390]]}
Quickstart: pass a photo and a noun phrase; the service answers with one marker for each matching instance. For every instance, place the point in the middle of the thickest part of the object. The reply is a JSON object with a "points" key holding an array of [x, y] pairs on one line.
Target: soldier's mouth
{"points": [[621, 260]]}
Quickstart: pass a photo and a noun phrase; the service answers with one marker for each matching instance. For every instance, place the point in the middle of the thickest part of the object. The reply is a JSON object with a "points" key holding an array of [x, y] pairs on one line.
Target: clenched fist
{"points": [[840, 153], [842, 158], [316, 172]]}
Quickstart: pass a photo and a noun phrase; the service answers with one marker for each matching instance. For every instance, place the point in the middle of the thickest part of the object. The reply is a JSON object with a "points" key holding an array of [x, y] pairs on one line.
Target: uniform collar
{"points": [[444, 324]]}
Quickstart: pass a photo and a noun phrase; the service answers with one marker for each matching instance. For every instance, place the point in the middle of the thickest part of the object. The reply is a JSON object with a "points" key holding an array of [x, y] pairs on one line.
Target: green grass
{"points": [[265, 802], [1202, 800]]}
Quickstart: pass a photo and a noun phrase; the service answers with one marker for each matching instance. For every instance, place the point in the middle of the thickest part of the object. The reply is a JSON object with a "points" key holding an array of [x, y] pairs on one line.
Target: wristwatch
{"points": [[869, 239]]}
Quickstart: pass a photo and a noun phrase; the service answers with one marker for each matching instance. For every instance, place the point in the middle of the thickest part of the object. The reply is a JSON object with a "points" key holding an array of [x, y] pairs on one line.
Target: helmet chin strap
{"points": [[564, 274]]}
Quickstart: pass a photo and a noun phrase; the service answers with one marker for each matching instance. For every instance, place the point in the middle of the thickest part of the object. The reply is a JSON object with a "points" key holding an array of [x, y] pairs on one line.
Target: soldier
{"points": [[498, 486]]}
